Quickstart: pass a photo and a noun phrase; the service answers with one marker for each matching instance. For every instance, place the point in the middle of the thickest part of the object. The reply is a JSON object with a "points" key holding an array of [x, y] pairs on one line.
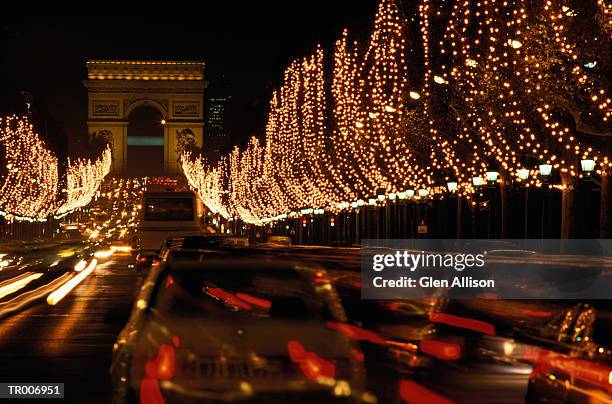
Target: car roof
{"points": [[240, 264], [169, 194]]}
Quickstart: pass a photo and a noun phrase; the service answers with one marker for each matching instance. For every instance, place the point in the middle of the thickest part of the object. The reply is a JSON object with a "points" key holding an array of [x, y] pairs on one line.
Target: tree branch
{"points": [[581, 126]]}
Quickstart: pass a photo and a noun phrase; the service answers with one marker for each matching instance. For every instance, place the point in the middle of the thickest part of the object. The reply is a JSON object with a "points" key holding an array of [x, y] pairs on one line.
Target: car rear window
{"points": [[223, 294]]}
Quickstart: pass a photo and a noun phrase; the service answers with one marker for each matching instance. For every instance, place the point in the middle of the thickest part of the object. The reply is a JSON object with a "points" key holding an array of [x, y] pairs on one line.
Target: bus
{"points": [[165, 214]]}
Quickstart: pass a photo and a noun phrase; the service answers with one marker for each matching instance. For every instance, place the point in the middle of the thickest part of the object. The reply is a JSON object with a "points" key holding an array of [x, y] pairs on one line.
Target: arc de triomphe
{"points": [[175, 88]]}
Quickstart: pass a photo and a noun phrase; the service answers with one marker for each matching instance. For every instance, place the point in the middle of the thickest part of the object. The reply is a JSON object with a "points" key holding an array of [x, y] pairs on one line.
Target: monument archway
{"points": [[116, 88], [145, 142]]}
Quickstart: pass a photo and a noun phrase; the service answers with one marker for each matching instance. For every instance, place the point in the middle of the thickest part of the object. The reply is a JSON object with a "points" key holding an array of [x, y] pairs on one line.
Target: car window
{"points": [[227, 294]]}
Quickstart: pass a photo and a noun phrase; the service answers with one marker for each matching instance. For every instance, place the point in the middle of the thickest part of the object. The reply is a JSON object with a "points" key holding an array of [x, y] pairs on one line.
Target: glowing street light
{"points": [[515, 43], [545, 170], [452, 186], [439, 80], [522, 174], [414, 95], [477, 181], [492, 175], [587, 165], [423, 192]]}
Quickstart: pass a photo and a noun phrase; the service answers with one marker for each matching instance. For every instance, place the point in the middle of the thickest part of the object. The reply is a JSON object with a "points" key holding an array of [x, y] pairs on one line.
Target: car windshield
{"points": [[170, 209], [225, 294]]}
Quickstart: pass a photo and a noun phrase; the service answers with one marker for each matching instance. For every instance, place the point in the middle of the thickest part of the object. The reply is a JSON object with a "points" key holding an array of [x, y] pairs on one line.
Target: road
{"points": [[71, 342]]}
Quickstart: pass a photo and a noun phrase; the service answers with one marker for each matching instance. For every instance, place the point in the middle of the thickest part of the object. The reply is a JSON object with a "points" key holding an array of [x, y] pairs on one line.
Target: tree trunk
{"points": [[504, 209], [459, 217], [568, 213]]}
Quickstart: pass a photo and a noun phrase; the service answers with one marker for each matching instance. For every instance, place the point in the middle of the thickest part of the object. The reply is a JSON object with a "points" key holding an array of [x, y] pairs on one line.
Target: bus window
{"points": [[169, 209]]}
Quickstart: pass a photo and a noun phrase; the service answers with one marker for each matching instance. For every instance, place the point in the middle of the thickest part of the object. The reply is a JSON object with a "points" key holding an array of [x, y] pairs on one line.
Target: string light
{"points": [[30, 187], [500, 100]]}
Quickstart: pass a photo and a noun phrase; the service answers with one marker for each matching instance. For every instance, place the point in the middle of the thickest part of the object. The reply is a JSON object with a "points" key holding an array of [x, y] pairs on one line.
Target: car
{"points": [[146, 259], [197, 245], [212, 241], [227, 330], [573, 356]]}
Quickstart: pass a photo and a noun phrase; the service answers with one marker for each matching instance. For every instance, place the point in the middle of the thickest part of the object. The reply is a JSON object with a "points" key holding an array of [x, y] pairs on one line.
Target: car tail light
{"points": [[162, 366], [356, 333], [311, 364], [142, 259], [156, 262], [441, 349], [463, 322], [150, 392], [413, 393]]}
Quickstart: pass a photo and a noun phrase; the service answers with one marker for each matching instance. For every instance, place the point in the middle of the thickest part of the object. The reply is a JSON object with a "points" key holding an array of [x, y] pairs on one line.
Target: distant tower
{"points": [[216, 128]]}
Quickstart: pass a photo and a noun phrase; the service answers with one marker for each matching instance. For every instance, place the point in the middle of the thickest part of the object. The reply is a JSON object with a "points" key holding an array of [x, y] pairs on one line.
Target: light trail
{"points": [[63, 290], [19, 282]]}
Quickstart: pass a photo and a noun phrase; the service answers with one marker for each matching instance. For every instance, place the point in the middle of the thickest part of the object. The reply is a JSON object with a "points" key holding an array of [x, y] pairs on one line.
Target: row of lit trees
{"points": [[30, 189], [506, 91]]}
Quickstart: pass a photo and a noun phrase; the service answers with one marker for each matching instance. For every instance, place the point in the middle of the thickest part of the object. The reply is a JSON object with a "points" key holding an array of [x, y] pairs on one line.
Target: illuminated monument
{"points": [[174, 88]]}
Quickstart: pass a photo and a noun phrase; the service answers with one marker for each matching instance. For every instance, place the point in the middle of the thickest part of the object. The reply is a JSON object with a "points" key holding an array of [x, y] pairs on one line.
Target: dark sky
{"points": [[246, 46]]}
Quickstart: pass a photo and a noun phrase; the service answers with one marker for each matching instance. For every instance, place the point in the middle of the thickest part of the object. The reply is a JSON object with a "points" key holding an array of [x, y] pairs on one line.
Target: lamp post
{"points": [[452, 187], [477, 182], [381, 198], [545, 172], [391, 216]]}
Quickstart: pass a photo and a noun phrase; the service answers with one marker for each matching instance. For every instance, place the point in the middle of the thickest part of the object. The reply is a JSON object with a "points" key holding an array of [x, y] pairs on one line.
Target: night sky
{"points": [[246, 46]]}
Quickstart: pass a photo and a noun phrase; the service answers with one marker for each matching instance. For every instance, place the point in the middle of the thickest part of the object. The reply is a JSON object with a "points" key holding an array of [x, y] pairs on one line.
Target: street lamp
{"points": [[452, 186], [423, 192], [414, 95], [371, 201], [545, 170], [392, 196], [439, 80], [402, 195], [522, 174], [515, 43], [492, 175], [360, 202], [587, 165], [477, 181], [410, 193]]}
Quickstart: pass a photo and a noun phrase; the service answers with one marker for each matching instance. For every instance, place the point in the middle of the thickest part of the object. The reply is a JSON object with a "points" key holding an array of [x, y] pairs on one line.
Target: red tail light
{"points": [[150, 392], [463, 322], [257, 301], [413, 393], [312, 365], [440, 349], [356, 333], [162, 367]]}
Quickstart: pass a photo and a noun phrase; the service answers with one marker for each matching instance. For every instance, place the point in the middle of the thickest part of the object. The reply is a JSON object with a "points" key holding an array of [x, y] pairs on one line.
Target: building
{"points": [[217, 136]]}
